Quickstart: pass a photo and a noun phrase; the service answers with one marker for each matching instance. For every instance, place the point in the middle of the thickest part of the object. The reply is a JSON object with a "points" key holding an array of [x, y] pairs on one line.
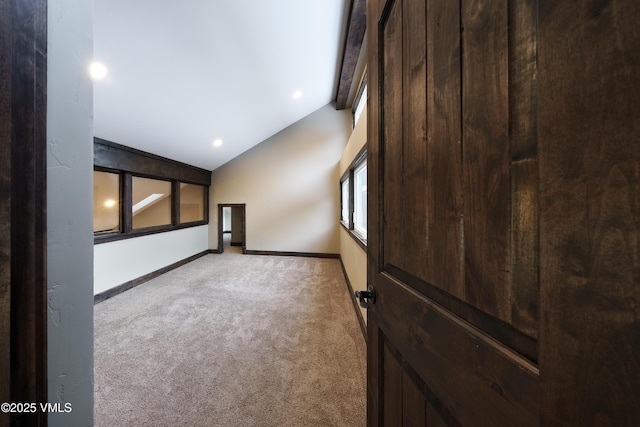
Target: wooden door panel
{"points": [[392, 385], [433, 418], [459, 183], [444, 186], [453, 247], [470, 377], [524, 283], [589, 131], [485, 145], [414, 409], [407, 399], [523, 136], [391, 47], [508, 295], [414, 141]]}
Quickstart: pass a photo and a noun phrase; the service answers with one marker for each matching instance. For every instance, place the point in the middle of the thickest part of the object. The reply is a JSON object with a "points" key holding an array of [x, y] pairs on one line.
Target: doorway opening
{"points": [[232, 227]]}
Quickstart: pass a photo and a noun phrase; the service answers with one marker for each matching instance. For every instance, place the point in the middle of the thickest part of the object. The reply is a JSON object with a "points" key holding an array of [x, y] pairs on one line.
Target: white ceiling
{"points": [[184, 73]]}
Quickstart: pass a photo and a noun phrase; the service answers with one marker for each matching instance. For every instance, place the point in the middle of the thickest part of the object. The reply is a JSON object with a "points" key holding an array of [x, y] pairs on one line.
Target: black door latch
{"points": [[366, 298]]}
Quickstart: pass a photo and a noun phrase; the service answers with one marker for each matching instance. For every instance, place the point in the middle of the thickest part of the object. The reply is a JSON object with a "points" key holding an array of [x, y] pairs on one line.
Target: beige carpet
{"points": [[232, 340]]}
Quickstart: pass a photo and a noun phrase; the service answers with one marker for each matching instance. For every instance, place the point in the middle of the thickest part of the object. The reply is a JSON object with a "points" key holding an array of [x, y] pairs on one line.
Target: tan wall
{"points": [[191, 201], [357, 140], [353, 256], [157, 213], [290, 186]]}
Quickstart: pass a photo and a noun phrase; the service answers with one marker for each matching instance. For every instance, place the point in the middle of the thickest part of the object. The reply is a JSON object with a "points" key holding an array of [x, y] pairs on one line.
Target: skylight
{"points": [[145, 202]]}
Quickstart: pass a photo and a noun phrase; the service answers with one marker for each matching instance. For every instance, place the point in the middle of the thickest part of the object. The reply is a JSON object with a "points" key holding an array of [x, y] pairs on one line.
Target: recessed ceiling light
{"points": [[217, 143], [297, 94], [98, 71]]}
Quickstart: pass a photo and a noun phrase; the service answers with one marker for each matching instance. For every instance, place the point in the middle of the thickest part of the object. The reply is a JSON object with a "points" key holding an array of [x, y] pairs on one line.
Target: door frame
{"points": [[23, 213], [242, 206]]}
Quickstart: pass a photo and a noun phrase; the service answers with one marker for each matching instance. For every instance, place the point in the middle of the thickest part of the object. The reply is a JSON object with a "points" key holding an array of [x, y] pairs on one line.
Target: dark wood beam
{"points": [[353, 44], [107, 154]]}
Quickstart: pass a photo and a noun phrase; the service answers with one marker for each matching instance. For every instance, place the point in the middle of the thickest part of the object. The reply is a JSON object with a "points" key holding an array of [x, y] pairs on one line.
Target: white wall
{"points": [[353, 256], [70, 211], [289, 183], [118, 262]]}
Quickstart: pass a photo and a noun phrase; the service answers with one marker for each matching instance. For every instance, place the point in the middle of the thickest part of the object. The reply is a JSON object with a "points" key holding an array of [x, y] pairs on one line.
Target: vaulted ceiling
{"points": [[182, 74]]}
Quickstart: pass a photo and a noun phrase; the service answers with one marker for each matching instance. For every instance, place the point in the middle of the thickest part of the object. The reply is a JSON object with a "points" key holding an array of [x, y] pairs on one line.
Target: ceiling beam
{"points": [[353, 44]]}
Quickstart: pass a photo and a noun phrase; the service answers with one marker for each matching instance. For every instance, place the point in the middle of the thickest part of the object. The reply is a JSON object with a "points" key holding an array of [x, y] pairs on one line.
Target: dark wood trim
{"points": [[6, 173], [355, 236], [243, 206], [115, 156], [356, 306], [23, 219], [113, 237], [213, 251], [110, 293], [298, 254], [205, 203], [353, 44], [501, 331], [125, 211], [175, 203], [129, 162], [220, 232], [220, 226]]}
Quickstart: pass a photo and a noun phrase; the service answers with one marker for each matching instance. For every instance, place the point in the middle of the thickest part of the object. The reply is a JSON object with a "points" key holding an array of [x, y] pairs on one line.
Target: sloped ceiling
{"points": [[182, 74]]}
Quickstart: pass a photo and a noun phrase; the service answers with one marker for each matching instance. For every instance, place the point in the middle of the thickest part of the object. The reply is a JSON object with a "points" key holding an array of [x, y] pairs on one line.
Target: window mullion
{"points": [[175, 203], [126, 203], [205, 203], [351, 200]]}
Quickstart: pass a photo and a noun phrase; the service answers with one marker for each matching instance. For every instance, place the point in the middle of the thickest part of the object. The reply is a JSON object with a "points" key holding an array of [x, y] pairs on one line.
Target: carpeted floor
{"points": [[232, 340]]}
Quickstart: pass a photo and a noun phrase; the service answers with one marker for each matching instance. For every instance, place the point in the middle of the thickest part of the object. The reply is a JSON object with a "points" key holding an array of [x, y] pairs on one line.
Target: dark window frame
{"points": [[205, 201], [120, 201], [173, 195], [129, 162], [349, 226]]}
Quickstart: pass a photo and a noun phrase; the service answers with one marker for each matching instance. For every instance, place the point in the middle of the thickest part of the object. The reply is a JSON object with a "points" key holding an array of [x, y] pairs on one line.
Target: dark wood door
{"points": [[503, 213]]}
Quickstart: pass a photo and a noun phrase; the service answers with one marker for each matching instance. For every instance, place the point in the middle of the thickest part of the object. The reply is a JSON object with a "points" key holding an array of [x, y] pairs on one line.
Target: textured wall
{"points": [[69, 211]]}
